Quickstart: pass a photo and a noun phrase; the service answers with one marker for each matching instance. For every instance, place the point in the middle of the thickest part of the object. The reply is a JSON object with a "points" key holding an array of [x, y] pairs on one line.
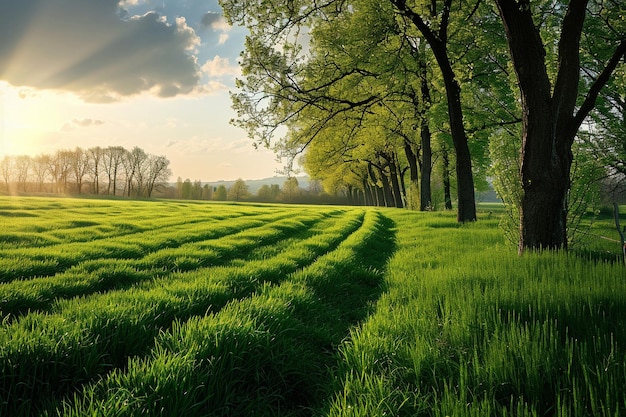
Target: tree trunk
{"points": [[446, 179], [402, 175], [389, 202], [380, 192], [395, 184], [438, 44], [414, 167], [466, 210], [551, 118], [426, 167], [367, 193]]}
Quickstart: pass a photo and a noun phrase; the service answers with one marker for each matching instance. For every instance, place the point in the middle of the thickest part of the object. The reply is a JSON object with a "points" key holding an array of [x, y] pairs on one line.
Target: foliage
{"points": [[221, 193], [238, 191], [504, 151], [584, 194]]}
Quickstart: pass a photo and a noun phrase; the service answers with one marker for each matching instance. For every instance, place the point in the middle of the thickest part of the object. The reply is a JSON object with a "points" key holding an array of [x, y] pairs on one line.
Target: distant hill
{"points": [[254, 185]]}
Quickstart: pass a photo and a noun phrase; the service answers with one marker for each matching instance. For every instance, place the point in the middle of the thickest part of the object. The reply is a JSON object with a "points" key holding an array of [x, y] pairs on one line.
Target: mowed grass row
{"points": [[267, 355], [37, 222], [468, 328], [47, 355], [24, 263], [103, 274]]}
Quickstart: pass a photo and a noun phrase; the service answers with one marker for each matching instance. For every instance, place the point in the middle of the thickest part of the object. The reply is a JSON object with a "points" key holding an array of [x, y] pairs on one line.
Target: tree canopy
{"points": [[370, 92]]}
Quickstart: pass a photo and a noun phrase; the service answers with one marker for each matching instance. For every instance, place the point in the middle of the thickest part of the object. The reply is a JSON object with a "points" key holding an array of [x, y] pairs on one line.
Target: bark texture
{"points": [[550, 118]]}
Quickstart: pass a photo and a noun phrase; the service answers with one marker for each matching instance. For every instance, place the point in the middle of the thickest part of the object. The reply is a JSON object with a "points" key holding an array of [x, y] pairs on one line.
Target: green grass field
{"points": [[165, 308]]}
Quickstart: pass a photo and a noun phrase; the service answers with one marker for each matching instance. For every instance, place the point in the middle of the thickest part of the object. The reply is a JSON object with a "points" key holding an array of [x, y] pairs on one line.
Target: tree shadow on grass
{"points": [[343, 296]]}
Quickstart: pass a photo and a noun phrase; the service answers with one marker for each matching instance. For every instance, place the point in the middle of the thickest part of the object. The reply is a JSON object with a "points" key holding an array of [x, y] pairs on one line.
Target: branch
{"points": [[417, 20], [496, 124], [598, 84], [566, 85]]}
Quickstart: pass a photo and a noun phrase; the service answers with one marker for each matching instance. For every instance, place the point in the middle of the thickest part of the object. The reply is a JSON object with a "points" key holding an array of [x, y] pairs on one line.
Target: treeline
{"points": [[290, 192], [113, 170]]}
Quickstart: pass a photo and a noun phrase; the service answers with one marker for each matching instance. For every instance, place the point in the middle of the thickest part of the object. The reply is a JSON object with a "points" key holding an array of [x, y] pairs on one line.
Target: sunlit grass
{"points": [[177, 308], [468, 328]]}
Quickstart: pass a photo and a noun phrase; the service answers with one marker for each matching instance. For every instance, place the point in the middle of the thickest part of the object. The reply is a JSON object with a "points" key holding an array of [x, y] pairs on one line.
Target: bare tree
{"points": [[22, 165], [112, 164], [158, 173], [40, 170], [6, 169], [59, 166], [95, 168], [80, 165], [134, 162]]}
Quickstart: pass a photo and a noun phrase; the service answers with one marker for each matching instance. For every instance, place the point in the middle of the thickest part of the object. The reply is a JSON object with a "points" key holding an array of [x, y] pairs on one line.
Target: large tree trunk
{"points": [[549, 119]]}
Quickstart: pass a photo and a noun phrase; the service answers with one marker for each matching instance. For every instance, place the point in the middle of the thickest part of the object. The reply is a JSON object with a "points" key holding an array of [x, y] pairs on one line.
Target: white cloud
{"points": [[220, 67], [223, 38], [78, 123], [83, 46], [128, 3], [198, 145]]}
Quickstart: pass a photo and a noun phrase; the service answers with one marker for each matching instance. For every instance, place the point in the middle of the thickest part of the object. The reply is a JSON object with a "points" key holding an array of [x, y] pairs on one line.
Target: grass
{"points": [[209, 309], [471, 329]]}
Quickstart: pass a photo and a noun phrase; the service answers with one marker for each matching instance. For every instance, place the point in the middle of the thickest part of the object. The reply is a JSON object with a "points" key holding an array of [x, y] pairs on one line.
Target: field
{"points": [[128, 308]]}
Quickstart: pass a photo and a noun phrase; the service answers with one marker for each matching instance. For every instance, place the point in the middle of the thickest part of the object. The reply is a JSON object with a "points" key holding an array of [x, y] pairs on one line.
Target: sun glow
{"points": [[26, 117]]}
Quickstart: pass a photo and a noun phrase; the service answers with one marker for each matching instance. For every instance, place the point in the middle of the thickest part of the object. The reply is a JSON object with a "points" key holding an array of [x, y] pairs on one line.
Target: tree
{"points": [[96, 155], [134, 163], [80, 165], [220, 194], [113, 157], [291, 190], [435, 28], [186, 189], [238, 191], [59, 167], [158, 173], [207, 192], [40, 169], [306, 94], [196, 190], [264, 193], [6, 170], [23, 166], [554, 105]]}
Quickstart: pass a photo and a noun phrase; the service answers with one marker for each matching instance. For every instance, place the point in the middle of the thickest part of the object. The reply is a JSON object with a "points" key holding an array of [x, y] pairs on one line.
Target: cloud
{"points": [[78, 123], [94, 49], [217, 23], [220, 67], [201, 145], [209, 19]]}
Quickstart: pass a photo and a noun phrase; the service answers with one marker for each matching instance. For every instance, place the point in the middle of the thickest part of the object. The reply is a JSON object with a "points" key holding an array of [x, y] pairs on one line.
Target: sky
{"points": [[149, 73]]}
